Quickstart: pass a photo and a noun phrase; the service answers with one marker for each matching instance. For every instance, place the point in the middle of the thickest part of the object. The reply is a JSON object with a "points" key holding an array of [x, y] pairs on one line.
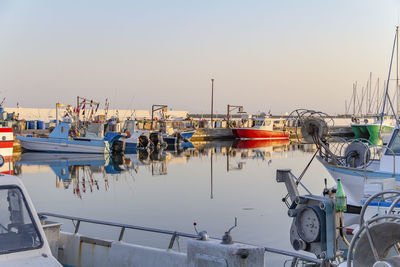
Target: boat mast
{"points": [[370, 93], [377, 97], [354, 98], [397, 70], [387, 84]]}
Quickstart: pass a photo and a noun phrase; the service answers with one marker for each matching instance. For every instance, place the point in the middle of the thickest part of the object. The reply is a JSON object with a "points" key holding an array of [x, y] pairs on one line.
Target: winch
{"points": [[318, 227], [314, 220]]}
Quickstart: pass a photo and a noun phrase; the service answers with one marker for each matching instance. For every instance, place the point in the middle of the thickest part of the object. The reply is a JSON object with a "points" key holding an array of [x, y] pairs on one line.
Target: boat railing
{"points": [[174, 234], [122, 226], [392, 192], [379, 146]]}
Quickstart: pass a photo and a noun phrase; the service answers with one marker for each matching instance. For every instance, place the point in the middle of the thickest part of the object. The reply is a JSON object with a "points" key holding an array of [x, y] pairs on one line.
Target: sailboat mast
{"points": [[354, 98], [397, 71], [377, 98]]}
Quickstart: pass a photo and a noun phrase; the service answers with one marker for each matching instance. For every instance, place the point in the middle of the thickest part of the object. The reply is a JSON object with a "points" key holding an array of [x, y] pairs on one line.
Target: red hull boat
{"points": [[263, 131]]}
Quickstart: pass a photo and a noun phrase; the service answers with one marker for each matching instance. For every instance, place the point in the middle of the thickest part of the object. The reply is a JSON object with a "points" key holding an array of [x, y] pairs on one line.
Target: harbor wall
{"points": [[49, 114]]}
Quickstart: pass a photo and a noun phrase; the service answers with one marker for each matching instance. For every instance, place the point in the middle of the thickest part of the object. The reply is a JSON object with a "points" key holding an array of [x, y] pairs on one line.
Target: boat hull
{"points": [[371, 132], [66, 146], [249, 133], [359, 183], [187, 134]]}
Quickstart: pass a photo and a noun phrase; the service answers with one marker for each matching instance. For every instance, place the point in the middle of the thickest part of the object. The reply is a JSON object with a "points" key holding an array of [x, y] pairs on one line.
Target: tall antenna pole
{"points": [[212, 102]]}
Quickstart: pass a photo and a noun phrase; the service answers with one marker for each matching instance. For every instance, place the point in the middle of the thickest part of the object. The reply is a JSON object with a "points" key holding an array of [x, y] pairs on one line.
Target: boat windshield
{"points": [[394, 144], [129, 126], [266, 123], [18, 231]]}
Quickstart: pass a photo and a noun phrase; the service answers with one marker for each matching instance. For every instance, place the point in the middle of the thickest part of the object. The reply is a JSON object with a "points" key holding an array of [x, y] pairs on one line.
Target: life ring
{"points": [[72, 132]]}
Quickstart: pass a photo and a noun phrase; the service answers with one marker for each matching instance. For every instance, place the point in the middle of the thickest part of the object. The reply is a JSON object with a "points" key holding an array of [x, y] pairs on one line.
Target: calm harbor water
{"points": [[211, 184]]}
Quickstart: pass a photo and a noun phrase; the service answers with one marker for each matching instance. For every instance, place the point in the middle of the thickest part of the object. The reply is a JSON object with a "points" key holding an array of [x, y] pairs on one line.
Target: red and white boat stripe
{"points": [[6, 136], [6, 149]]}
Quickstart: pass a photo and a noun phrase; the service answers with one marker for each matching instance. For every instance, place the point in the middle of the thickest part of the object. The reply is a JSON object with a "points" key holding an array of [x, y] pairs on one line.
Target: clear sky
{"points": [[265, 55]]}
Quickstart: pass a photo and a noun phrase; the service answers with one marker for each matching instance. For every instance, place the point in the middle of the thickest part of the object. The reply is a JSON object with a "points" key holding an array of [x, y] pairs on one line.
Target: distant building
{"points": [[49, 114]]}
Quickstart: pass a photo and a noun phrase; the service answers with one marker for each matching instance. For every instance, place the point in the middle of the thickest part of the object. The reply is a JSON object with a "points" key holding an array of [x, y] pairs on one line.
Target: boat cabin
{"points": [[391, 155], [23, 242], [263, 123]]}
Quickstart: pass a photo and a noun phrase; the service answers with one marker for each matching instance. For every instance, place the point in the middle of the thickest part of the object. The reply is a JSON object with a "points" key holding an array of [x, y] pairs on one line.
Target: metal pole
{"points": [[212, 102], [56, 114], [152, 116], [377, 98], [354, 99], [78, 112], [370, 92], [228, 109]]}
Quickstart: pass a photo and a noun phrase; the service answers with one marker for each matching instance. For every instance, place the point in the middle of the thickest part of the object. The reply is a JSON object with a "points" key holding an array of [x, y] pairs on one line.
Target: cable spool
{"points": [[357, 154], [385, 236], [313, 129]]}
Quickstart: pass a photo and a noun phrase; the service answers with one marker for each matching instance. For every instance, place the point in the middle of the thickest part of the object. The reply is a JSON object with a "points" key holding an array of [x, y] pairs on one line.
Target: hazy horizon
{"points": [[264, 55]]}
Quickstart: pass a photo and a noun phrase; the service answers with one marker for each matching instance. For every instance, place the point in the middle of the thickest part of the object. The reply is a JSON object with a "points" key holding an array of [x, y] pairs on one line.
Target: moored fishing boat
{"points": [[64, 139], [375, 132], [263, 129], [131, 138], [362, 172]]}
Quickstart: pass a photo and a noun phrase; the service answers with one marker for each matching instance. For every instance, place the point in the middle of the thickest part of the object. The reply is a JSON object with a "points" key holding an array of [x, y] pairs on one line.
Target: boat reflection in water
{"points": [[90, 172], [77, 170], [261, 149]]}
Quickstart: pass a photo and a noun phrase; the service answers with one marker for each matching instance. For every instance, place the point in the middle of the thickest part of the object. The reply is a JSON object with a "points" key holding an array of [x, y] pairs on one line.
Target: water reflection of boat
{"points": [[238, 143], [38, 158], [63, 164]]}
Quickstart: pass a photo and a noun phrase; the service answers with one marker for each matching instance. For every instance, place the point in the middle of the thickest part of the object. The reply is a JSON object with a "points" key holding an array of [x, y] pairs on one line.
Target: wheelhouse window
{"points": [[394, 144], [267, 123], [18, 231], [129, 126]]}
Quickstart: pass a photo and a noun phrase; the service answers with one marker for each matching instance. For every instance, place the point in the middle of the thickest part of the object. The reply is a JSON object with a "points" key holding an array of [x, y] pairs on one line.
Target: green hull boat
{"points": [[371, 132]]}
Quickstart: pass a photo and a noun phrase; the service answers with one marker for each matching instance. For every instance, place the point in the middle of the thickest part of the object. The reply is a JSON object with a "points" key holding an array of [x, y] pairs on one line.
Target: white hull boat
{"points": [[60, 140]]}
